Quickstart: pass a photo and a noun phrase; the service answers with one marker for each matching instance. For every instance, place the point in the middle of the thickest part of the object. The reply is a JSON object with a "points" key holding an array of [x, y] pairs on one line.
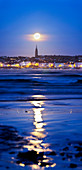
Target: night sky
{"points": [[61, 20]]}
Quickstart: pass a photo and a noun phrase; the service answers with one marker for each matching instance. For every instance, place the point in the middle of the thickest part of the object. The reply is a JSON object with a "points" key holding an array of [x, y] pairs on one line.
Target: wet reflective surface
{"points": [[40, 121], [36, 140]]}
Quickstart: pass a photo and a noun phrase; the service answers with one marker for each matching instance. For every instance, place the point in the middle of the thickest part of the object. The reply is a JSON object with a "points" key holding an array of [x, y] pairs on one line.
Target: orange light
{"points": [[36, 64], [53, 165], [50, 65], [60, 65], [8, 65], [74, 65], [16, 65], [1, 64], [29, 64], [80, 66], [70, 65], [21, 164]]}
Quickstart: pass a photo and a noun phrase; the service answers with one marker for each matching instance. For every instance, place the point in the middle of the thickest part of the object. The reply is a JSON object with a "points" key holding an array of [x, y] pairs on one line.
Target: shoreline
{"points": [[76, 68], [40, 115]]}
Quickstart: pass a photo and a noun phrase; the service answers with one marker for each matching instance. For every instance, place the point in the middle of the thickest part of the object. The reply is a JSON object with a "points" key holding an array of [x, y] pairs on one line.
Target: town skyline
{"points": [[39, 54], [42, 61]]}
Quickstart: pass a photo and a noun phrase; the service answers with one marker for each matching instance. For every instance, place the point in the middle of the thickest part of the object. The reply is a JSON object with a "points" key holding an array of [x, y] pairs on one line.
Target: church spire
{"points": [[36, 52]]}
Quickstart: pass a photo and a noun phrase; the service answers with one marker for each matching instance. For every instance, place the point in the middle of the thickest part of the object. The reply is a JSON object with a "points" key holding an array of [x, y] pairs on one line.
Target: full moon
{"points": [[37, 36]]}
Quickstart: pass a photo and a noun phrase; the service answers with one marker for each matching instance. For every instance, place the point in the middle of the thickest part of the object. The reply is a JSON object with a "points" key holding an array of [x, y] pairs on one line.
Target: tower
{"points": [[36, 52]]}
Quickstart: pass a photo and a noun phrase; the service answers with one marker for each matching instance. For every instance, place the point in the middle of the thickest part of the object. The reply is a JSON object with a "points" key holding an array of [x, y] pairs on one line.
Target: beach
{"points": [[40, 119]]}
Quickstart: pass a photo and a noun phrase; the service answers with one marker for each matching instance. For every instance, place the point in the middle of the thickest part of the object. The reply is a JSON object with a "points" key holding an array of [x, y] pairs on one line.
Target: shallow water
{"points": [[45, 106]]}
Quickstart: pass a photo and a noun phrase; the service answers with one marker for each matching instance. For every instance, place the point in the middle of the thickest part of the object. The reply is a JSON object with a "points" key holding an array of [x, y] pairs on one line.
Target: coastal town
{"points": [[42, 61]]}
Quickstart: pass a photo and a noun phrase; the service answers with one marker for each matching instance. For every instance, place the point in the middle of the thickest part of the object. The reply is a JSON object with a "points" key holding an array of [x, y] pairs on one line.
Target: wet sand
{"points": [[40, 120], [48, 130]]}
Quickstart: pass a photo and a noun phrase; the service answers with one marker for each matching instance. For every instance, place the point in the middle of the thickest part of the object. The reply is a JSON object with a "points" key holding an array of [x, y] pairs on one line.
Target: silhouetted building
{"points": [[36, 52]]}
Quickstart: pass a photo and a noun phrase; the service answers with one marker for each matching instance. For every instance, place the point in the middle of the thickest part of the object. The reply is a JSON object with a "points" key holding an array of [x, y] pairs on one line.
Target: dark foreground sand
{"points": [[41, 134]]}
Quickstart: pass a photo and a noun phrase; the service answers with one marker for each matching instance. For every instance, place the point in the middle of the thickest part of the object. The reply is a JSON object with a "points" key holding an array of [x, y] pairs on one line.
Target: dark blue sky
{"points": [[60, 19]]}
